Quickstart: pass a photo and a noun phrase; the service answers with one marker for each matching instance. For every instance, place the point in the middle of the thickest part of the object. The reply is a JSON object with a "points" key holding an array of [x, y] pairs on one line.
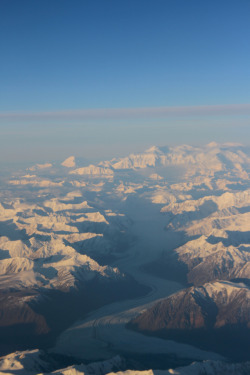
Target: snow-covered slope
{"points": [[210, 159], [38, 362], [69, 162], [208, 261], [93, 170], [44, 263], [196, 368], [68, 233], [34, 362]]}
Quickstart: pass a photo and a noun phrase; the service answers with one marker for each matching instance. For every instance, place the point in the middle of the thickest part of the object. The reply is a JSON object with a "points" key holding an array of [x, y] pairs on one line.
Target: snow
{"points": [[69, 162], [34, 362], [40, 166], [96, 217], [56, 205], [92, 170], [39, 183], [155, 176], [209, 199], [15, 265]]}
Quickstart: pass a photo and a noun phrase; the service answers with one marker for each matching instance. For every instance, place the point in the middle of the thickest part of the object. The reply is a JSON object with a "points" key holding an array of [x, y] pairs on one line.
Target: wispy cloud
{"points": [[147, 112]]}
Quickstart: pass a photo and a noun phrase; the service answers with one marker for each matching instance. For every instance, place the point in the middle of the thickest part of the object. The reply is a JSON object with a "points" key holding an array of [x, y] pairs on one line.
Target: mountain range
{"points": [[157, 241]]}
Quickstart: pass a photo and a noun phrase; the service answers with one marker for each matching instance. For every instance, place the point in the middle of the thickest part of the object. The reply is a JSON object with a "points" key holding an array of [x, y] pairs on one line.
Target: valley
{"points": [[140, 257]]}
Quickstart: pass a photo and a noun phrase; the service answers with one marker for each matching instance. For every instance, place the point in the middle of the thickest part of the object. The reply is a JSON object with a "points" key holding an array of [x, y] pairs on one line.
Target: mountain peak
{"points": [[69, 162], [153, 149], [212, 144]]}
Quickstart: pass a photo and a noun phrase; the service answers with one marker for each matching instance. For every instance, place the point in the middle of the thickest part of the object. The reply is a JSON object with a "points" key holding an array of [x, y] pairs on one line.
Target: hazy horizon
{"points": [[103, 79], [105, 139]]}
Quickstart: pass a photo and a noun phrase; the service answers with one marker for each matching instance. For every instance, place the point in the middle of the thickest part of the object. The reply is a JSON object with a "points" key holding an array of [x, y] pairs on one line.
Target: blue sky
{"points": [[59, 55]]}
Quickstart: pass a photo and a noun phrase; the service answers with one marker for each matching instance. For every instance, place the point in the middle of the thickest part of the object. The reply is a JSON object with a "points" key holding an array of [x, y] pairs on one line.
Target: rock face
{"points": [[214, 315]]}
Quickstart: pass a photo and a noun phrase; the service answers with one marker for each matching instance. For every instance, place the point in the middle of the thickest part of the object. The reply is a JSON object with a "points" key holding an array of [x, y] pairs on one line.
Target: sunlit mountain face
{"points": [[139, 263]]}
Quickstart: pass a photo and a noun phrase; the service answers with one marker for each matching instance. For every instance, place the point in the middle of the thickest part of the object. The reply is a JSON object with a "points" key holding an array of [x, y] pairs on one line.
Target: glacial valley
{"points": [[135, 264]]}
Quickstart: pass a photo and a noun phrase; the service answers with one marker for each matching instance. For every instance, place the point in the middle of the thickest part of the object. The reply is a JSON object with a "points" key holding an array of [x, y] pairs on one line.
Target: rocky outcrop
{"points": [[212, 317]]}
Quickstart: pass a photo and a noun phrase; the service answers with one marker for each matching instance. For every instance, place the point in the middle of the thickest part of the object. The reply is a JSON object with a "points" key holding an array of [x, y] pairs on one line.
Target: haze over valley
{"points": [[144, 257]]}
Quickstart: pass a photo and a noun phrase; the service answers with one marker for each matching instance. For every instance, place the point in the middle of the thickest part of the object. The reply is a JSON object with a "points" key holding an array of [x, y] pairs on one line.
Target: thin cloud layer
{"points": [[147, 112]]}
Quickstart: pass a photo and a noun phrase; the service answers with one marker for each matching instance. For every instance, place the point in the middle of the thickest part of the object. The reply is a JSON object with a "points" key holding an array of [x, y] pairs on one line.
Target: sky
{"points": [[101, 78]]}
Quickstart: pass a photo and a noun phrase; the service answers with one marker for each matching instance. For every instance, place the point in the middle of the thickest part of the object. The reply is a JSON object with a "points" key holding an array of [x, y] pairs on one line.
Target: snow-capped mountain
{"points": [[203, 316], [75, 237], [210, 259], [39, 362], [69, 162], [43, 264]]}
